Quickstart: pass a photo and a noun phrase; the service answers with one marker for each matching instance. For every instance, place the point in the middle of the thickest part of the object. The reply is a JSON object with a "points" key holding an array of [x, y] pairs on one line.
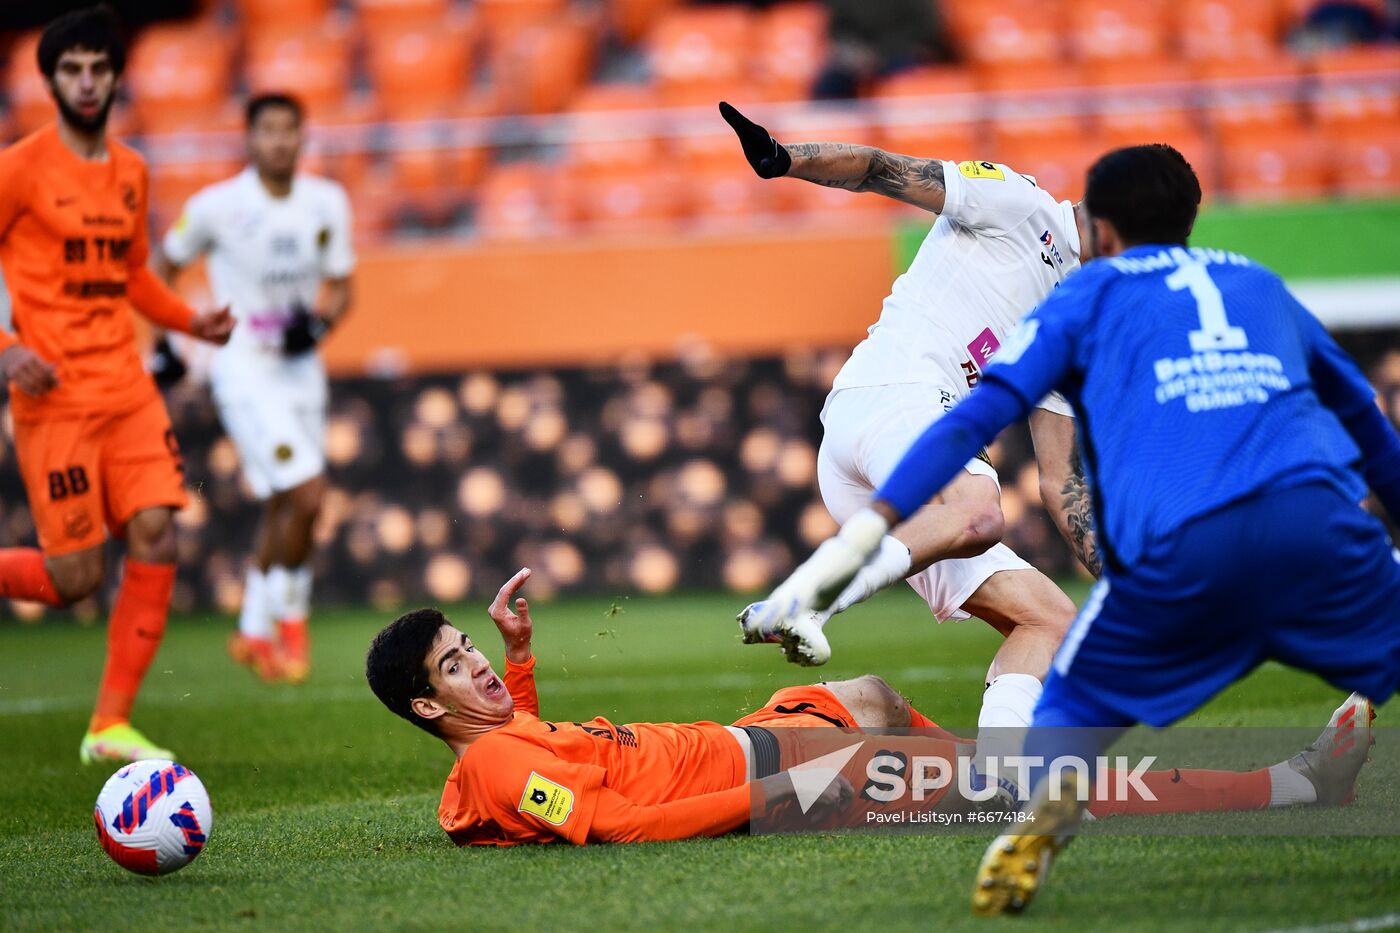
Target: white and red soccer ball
{"points": [[153, 817]]}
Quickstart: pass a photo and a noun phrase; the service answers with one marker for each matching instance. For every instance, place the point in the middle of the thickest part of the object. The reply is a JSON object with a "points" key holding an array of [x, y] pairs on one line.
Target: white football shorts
{"points": [[867, 430], [278, 423]]}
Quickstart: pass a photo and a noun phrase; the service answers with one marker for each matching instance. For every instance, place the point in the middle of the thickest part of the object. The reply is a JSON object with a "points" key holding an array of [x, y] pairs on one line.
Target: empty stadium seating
{"points": [[397, 91]]}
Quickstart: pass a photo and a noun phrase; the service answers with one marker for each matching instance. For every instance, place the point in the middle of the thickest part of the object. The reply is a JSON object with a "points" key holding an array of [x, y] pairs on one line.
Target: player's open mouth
{"points": [[494, 687]]}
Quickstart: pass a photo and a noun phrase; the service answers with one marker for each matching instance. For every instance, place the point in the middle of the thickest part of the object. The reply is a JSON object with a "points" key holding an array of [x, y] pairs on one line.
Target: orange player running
{"points": [[92, 435], [519, 778]]}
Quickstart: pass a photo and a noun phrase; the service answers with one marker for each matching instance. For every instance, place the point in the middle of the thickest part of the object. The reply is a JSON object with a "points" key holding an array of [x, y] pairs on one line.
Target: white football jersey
{"points": [[998, 248], [265, 256]]}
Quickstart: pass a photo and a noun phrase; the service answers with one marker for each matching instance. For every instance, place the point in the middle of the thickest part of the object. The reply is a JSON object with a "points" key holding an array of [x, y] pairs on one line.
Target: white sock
{"points": [[290, 591], [1287, 787], [890, 564], [1008, 705], [255, 615]]}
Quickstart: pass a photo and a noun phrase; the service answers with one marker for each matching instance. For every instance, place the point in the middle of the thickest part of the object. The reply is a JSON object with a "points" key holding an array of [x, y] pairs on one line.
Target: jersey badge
{"points": [[981, 170], [549, 801], [323, 237]]}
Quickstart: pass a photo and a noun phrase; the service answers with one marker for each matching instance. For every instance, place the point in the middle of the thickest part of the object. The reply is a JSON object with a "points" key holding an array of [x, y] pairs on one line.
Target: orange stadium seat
{"points": [[31, 105], [726, 197], [1356, 87], [834, 206], [173, 183], [641, 202], [1188, 140], [932, 112], [1047, 102], [540, 68], [790, 47], [1263, 92], [1369, 166], [1023, 31], [339, 140], [1058, 166], [630, 20], [1229, 30], [1276, 166], [420, 67], [503, 19], [1119, 29], [693, 50], [518, 202], [312, 62], [606, 134], [1143, 96], [180, 75], [376, 15], [260, 15]]}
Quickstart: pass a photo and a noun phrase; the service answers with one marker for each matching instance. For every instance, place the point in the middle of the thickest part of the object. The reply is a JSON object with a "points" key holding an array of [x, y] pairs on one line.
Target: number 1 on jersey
{"points": [[1216, 332]]}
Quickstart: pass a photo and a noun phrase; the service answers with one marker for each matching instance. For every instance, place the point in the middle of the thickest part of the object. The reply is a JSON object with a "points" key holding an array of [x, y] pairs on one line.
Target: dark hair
{"points": [[1149, 194], [95, 28], [396, 666], [259, 103]]}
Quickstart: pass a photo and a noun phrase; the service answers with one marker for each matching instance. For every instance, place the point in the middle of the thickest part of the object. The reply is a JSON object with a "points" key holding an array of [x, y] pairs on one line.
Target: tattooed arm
{"points": [[840, 165], [863, 168], [1062, 486]]}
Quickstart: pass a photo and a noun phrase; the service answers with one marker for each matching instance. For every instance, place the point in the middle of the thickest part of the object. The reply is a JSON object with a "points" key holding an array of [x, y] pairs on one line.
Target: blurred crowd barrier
{"points": [[635, 477]]}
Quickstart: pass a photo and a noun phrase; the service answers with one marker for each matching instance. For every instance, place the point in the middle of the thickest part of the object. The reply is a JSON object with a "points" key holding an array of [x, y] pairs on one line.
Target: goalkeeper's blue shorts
{"points": [[1299, 575]]}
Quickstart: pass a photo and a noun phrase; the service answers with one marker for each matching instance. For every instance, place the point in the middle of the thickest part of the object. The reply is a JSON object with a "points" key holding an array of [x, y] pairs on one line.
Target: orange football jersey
{"points": [[538, 781], [71, 230]]}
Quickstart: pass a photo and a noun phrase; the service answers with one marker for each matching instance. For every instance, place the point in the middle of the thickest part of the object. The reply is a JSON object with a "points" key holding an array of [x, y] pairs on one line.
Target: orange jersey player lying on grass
{"points": [[519, 778]]}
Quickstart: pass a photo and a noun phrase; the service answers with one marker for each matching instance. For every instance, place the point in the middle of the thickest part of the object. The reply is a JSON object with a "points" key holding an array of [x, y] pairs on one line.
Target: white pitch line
{"points": [[1362, 925]]}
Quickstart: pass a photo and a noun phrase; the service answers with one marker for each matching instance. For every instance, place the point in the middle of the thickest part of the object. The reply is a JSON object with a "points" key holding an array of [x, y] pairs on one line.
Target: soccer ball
{"points": [[153, 817]]}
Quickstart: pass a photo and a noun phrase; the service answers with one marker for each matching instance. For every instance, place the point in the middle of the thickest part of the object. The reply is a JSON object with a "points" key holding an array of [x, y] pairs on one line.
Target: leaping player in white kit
{"points": [[998, 248], [279, 253]]}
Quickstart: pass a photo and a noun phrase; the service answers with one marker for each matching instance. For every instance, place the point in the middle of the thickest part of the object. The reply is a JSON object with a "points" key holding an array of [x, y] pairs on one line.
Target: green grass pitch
{"points": [[325, 803]]}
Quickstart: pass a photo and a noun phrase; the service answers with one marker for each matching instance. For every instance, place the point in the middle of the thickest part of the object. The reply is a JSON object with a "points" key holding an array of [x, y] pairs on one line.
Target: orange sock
{"points": [[1183, 791], [23, 576], [133, 636], [294, 638]]}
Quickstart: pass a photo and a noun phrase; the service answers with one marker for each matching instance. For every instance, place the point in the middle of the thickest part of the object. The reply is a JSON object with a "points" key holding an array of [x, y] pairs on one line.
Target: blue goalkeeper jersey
{"points": [[1199, 380]]}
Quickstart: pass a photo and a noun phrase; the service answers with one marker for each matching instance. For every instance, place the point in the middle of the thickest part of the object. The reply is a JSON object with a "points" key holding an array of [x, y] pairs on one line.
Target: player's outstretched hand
{"points": [[213, 326], [30, 374], [767, 156], [304, 331], [515, 626], [822, 577]]}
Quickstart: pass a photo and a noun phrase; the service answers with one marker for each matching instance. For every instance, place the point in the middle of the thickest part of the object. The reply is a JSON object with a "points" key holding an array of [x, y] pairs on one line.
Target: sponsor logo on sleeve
{"points": [[981, 170], [547, 800]]}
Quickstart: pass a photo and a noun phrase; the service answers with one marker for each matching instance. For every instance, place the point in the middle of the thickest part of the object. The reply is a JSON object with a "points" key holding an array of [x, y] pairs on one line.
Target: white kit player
{"points": [[998, 248], [279, 253]]}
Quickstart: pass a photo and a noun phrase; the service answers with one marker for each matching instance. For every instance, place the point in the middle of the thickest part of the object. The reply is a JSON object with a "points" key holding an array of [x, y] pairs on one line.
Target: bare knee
{"points": [[986, 525], [77, 576], [150, 536]]}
